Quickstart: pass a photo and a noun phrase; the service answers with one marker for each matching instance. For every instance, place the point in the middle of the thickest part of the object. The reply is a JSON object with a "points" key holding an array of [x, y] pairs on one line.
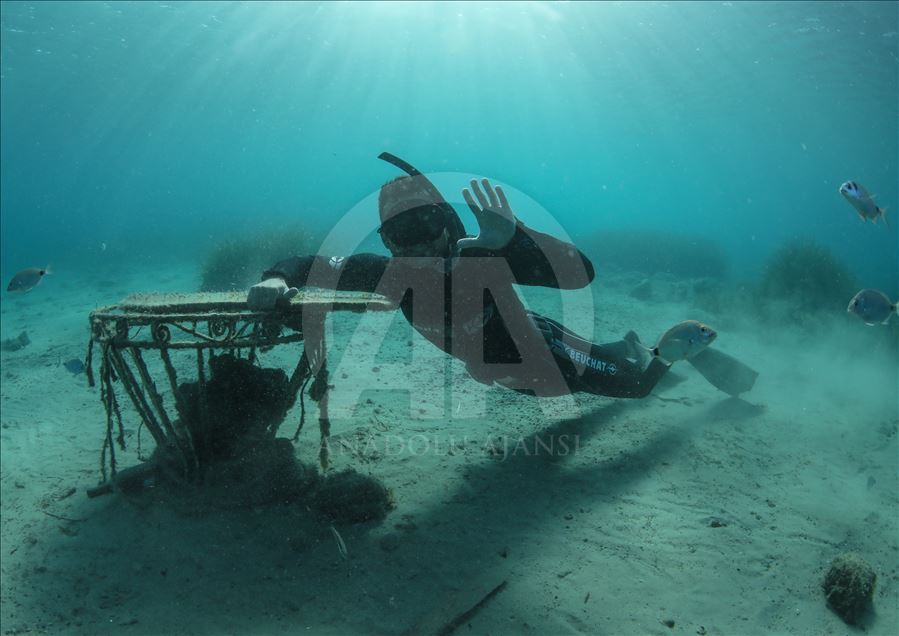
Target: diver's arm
{"points": [[536, 258], [359, 272], [539, 259]]}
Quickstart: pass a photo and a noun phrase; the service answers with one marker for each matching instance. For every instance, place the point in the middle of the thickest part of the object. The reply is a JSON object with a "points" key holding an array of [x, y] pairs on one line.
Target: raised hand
{"points": [[494, 215]]}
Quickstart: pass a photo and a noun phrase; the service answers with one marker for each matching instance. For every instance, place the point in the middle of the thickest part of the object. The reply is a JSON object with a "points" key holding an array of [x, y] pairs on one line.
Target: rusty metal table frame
{"points": [[206, 322]]}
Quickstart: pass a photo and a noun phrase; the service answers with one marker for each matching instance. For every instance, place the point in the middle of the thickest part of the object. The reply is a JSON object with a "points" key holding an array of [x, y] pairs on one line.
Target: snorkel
{"points": [[417, 191], [405, 166]]}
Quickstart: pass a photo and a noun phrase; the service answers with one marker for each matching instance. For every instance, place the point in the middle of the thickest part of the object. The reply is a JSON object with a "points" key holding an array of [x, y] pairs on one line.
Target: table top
{"points": [[235, 302]]}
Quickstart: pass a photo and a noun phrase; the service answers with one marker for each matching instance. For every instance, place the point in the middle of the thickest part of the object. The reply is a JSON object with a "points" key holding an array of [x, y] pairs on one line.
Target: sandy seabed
{"points": [[687, 512]]}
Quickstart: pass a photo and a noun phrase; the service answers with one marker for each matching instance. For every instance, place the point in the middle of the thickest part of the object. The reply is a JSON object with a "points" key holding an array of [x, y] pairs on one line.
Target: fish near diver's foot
{"points": [[683, 341]]}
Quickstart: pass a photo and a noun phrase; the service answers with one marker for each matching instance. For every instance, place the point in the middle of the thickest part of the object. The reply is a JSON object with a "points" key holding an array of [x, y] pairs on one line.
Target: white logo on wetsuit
{"points": [[597, 365], [336, 261]]}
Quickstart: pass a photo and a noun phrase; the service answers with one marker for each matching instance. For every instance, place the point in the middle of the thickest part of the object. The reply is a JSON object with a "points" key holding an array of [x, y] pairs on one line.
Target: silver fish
{"points": [[27, 279], [684, 340], [872, 306], [863, 202]]}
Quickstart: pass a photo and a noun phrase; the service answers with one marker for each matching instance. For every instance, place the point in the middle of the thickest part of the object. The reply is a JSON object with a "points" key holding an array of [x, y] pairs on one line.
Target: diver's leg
{"points": [[618, 369], [628, 347], [627, 379]]}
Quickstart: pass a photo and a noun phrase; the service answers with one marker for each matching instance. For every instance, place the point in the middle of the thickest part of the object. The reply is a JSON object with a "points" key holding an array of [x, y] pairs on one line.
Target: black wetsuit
{"points": [[466, 306]]}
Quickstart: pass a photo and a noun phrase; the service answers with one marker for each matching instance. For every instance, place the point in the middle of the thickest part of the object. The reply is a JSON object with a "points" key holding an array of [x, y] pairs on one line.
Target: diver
{"points": [[456, 291]]}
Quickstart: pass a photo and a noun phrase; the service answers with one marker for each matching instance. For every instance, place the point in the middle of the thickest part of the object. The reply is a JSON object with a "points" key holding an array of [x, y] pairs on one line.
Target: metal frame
{"points": [[201, 322]]}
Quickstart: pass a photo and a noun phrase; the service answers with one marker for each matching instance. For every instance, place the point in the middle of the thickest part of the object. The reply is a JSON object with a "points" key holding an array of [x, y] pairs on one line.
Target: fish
{"points": [[14, 344], [863, 202], [683, 341], [27, 279], [872, 306], [74, 365]]}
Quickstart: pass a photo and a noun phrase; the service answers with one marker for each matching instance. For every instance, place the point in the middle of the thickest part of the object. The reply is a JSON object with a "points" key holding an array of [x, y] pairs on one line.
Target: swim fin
{"points": [[723, 371]]}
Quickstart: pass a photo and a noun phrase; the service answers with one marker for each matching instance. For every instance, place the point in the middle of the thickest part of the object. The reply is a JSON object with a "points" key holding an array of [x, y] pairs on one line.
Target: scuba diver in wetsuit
{"points": [[456, 291]]}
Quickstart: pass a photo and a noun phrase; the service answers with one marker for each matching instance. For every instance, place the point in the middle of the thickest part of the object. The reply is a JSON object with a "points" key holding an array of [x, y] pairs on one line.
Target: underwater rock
{"points": [[74, 366], [262, 472], [233, 419], [348, 497], [643, 290], [241, 400], [14, 344], [849, 586]]}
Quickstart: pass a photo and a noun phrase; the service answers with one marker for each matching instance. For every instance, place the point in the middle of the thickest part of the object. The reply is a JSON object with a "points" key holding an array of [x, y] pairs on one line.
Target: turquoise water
{"points": [[134, 124], [136, 137]]}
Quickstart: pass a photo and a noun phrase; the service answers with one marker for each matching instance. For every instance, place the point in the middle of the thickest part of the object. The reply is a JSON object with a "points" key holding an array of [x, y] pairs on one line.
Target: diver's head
{"points": [[415, 219]]}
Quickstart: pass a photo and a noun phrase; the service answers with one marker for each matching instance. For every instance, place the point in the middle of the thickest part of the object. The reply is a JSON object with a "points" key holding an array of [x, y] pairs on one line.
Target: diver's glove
{"points": [[494, 215], [265, 295]]}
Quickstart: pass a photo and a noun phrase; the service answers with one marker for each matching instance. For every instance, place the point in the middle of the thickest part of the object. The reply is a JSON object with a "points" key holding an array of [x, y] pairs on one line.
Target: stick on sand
{"points": [[467, 615]]}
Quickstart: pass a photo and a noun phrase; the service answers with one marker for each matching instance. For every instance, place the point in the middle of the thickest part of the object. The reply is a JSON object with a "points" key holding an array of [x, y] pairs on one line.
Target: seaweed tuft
{"points": [[236, 264]]}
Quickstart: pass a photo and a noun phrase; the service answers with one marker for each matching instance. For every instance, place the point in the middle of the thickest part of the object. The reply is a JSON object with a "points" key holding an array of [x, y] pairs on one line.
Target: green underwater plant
{"points": [[809, 276], [235, 264], [228, 266]]}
